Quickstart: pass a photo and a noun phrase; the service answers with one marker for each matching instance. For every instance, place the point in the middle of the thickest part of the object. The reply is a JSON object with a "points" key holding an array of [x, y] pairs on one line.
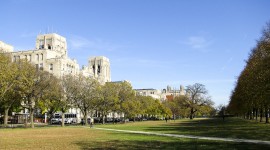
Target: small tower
{"points": [[100, 68], [169, 88], [182, 90], [53, 42]]}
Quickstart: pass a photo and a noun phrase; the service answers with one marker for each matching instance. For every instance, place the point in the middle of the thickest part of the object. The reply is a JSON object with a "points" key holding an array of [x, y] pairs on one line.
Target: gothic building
{"points": [[51, 54]]}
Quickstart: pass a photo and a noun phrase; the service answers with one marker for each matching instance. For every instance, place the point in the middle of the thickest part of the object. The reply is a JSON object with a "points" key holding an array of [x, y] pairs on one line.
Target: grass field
{"points": [[216, 127], [77, 137]]}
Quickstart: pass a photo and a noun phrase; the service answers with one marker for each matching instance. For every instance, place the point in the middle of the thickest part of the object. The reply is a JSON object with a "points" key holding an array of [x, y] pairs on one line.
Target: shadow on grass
{"points": [[230, 128], [164, 143]]}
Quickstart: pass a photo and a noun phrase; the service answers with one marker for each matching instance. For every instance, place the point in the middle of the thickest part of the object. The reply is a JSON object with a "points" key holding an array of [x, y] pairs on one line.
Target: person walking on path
{"points": [[91, 122]]}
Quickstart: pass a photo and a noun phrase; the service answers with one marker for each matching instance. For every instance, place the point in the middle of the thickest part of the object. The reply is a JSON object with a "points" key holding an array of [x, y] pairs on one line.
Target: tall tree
{"points": [[35, 83], [108, 99], [87, 95], [9, 81], [197, 97]]}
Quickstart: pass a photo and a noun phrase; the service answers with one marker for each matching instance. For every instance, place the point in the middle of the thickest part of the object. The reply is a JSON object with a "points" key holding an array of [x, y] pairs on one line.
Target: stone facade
{"points": [[149, 92], [161, 94], [98, 68], [51, 54], [6, 48]]}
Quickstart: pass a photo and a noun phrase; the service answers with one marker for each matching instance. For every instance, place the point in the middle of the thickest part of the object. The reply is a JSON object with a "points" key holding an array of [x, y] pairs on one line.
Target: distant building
{"points": [[149, 92], [164, 94], [174, 92]]}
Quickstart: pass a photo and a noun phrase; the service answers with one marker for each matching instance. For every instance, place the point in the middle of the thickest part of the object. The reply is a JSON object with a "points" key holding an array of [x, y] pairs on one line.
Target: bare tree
{"points": [[197, 97]]}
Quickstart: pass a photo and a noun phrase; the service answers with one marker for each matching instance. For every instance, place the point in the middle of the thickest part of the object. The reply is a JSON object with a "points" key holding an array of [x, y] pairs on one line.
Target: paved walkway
{"points": [[191, 136]]}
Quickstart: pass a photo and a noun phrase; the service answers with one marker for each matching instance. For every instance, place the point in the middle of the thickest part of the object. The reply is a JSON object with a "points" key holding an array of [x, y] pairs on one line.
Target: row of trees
{"points": [[22, 86], [250, 98]]}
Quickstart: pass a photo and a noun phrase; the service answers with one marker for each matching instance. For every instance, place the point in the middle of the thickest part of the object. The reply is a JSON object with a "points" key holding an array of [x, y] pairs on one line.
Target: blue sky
{"points": [[152, 43]]}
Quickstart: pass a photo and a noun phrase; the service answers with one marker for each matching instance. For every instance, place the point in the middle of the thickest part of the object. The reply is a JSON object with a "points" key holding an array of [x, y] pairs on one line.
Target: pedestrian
{"points": [[166, 119], [82, 122], [91, 122]]}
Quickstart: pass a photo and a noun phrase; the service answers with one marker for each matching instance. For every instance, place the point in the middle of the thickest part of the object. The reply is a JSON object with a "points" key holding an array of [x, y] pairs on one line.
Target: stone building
{"points": [[51, 54], [174, 91], [161, 94], [98, 68], [149, 92], [6, 48]]}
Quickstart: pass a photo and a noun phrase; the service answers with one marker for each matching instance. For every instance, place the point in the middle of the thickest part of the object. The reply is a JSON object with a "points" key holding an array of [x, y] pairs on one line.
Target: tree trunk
{"points": [[125, 118], [85, 119], [31, 111], [191, 113], [253, 113], [266, 115], [250, 115], [261, 114], [256, 112], [103, 119], [6, 117], [63, 120], [113, 117], [25, 121]]}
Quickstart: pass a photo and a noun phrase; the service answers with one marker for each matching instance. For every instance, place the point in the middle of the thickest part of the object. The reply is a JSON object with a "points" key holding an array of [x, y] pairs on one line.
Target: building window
{"points": [[51, 66], [26, 57], [98, 71], [37, 56], [41, 56], [41, 44], [49, 43], [41, 66], [14, 58], [30, 59]]}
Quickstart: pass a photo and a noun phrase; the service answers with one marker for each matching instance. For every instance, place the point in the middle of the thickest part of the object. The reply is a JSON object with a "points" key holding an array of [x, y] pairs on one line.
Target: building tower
{"points": [[53, 42], [100, 68]]}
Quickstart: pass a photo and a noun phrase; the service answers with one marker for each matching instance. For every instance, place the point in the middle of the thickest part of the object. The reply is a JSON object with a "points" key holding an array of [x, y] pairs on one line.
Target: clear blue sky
{"points": [[152, 43]]}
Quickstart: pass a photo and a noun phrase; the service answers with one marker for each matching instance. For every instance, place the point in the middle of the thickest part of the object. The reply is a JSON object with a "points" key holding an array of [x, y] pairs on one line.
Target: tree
{"points": [[87, 95], [35, 83], [52, 99], [250, 96], [197, 97], [132, 107], [9, 81], [126, 96], [69, 87], [108, 99]]}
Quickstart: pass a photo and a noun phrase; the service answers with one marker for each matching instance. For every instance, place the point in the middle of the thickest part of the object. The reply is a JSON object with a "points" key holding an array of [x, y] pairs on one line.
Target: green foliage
{"points": [[252, 90]]}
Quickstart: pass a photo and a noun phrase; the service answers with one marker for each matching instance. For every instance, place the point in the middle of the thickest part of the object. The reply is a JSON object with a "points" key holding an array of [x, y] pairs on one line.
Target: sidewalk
{"points": [[191, 136]]}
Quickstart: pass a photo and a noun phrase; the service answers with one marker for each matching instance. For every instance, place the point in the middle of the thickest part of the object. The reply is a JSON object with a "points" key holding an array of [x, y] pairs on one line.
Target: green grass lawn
{"points": [[77, 137], [230, 128]]}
